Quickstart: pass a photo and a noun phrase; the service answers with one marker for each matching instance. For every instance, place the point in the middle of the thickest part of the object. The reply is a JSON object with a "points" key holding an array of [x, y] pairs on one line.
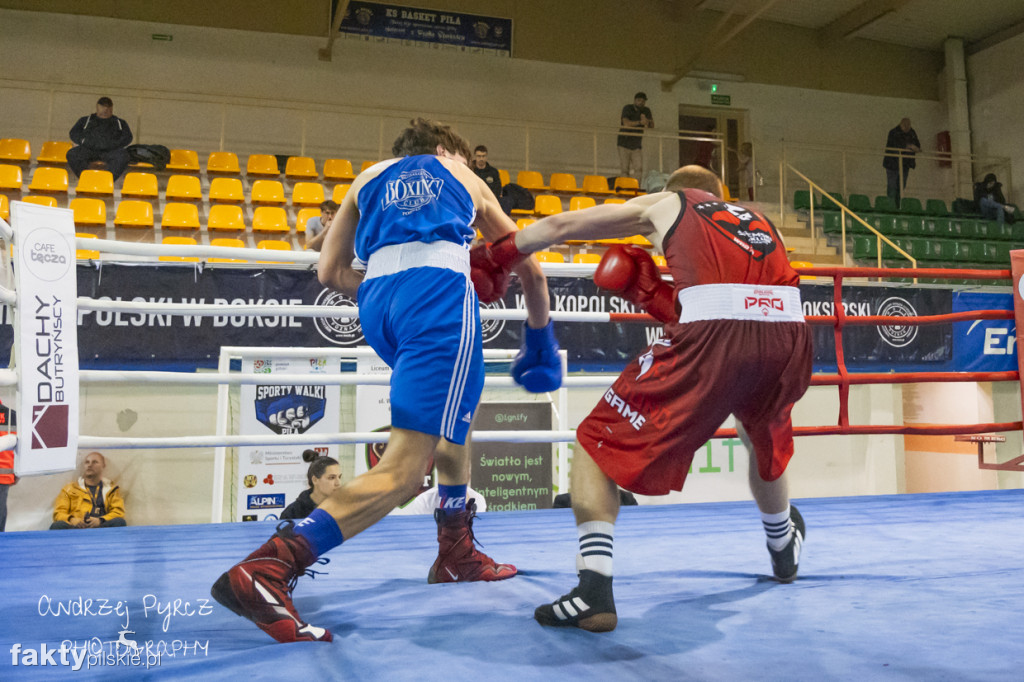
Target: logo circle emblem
{"points": [[341, 331], [492, 329], [47, 255], [900, 335]]}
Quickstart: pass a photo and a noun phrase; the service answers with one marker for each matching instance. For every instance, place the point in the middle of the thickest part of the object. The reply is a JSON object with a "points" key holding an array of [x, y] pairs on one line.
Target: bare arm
{"points": [[494, 224], [607, 221], [316, 243], [334, 268]]}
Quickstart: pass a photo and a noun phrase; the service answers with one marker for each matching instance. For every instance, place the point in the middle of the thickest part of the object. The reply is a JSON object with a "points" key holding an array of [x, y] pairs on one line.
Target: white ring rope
{"points": [[264, 310], [97, 376], [6, 231], [120, 443]]}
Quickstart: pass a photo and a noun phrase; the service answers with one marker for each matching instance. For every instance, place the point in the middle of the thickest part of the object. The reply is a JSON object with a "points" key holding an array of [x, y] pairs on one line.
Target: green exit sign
{"points": [[724, 100]]}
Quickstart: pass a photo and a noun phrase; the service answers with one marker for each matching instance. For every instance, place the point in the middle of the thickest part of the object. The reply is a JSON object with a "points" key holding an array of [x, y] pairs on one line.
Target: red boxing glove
{"points": [[631, 272], [490, 265]]}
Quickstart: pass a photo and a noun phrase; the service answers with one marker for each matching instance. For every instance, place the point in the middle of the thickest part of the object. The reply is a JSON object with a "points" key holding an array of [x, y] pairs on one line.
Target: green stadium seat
{"points": [[865, 247], [859, 203], [882, 223], [802, 199], [974, 252], [936, 207], [885, 204], [832, 223], [908, 225], [827, 205], [911, 205]]}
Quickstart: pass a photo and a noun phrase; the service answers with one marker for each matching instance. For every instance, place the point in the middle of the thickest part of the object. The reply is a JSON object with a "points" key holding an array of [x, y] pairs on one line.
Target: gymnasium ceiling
{"points": [[922, 24]]}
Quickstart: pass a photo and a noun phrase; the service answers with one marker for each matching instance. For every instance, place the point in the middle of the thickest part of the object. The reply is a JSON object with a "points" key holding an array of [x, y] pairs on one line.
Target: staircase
{"points": [[796, 233]]}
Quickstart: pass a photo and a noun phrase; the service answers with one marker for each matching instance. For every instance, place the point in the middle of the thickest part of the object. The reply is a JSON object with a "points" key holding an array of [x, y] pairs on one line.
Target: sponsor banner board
{"points": [[513, 475], [387, 22], [984, 345], [46, 350], [270, 477]]}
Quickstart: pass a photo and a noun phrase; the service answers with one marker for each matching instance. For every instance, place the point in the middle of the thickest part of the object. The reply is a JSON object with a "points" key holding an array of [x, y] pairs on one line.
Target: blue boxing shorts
{"points": [[425, 323]]}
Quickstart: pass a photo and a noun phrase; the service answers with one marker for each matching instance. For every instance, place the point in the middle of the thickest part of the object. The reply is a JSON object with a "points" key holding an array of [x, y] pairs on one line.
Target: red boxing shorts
{"points": [[670, 401]]}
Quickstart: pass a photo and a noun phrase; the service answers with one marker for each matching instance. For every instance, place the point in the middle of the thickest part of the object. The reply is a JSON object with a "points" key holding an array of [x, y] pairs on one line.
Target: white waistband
{"points": [[740, 302], [388, 260]]}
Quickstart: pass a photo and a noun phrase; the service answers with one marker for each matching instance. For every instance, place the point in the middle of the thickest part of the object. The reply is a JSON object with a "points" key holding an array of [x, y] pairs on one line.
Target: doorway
{"points": [[727, 130]]}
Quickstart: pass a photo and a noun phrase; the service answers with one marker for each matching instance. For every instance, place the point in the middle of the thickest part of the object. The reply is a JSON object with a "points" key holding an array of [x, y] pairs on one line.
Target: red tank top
{"points": [[713, 242]]}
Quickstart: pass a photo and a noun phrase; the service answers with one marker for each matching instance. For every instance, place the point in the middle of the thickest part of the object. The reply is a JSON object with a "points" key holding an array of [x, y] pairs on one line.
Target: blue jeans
{"points": [[992, 209]]}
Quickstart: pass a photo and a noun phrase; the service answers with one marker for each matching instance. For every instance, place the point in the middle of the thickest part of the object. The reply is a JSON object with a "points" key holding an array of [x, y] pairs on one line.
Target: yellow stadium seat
{"points": [[87, 254], [223, 163], [267, 193], [226, 191], [262, 165], [11, 178], [303, 217], [580, 203], [140, 185], [228, 242], [523, 211], [41, 201], [564, 183], [307, 194], [531, 180], [89, 212], [300, 168], [5, 207], [273, 245], [549, 257], [54, 152], [659, 260], [134, 213], [188, 241], [547, 204], [338, 195], [640, 240], [49, 180], [586, 258], [614, 200], [179, 216], [504, 176], [96, 182], [595, 184], [338, 169], [183, 161], [16, 150], [226, 217], [270, 219], [627, 186], [803, 264], [726, 195], [184, 188], [523, 223], [366, 164]]}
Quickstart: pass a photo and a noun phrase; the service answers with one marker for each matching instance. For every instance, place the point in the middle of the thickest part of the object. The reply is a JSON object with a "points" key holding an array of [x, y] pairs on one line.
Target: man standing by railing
{"points": [[899, 158], [634, 118]]}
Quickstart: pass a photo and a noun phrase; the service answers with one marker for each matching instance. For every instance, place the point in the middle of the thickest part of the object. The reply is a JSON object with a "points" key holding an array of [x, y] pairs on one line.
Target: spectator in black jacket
{"points": [[900, 146], [100, 137], [323, 476], [991, 203], [486, 171]]}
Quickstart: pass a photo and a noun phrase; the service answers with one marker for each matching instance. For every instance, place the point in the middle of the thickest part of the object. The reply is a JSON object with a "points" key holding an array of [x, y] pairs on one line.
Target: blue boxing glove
{"points": [[537, 367]]}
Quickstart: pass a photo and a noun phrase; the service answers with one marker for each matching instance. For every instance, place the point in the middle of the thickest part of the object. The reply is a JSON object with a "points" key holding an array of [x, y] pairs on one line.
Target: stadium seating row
{"points": [[266, 244], [861, 204], [927, 226], [957, 251]]}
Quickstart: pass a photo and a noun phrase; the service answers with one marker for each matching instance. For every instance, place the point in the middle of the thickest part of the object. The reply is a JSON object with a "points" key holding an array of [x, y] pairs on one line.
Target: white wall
{"points": [[173, 93], [995, 85]]}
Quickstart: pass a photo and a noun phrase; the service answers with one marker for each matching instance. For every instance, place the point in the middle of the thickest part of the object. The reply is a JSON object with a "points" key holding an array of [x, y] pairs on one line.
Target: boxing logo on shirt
{"points": [[746, 229], [411, 191]]}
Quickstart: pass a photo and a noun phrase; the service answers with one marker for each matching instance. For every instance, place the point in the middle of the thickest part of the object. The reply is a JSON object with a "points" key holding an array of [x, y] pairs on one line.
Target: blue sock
{"points": [[321, 531], [453, 497]]}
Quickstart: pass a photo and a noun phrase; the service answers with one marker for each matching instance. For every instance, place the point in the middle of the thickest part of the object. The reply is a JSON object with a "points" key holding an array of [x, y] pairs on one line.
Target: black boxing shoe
{"points": [[786, 561], [590, 606]]}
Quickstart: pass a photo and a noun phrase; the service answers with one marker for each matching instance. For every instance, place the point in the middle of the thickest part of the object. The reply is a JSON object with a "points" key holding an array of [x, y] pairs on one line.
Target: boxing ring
{"points": [[892, 586]]}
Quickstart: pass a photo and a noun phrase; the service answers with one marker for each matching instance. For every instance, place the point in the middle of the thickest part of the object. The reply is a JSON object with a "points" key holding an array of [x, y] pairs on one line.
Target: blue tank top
{"points": [[415, 199]]}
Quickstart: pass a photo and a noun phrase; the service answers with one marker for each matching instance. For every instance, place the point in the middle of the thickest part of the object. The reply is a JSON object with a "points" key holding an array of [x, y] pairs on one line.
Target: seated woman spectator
{"points": [[991, 203], [324, 476]]}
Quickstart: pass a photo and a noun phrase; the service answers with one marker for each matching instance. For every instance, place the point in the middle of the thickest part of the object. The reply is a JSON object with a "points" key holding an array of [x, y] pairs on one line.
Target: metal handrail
{"points": [[844, 210]]}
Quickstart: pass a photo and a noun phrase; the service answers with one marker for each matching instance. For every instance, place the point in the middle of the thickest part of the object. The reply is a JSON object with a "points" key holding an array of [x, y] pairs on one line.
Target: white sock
{"points": [[596, 540], [778, 528]]}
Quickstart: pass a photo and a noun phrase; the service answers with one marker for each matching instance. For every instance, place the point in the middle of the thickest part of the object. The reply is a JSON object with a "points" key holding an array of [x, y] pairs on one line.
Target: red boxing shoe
{"points": [[260, 587], [458, 560]]}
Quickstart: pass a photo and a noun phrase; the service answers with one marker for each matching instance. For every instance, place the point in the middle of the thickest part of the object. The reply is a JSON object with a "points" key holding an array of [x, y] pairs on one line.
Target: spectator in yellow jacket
{"points": [[90, 502]]}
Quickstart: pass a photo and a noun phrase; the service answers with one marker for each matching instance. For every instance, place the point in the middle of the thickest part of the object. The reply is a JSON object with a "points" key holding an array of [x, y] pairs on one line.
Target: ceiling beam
{"points": [[724, 31], [861, 16], [325, 54], [994, 39]]}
